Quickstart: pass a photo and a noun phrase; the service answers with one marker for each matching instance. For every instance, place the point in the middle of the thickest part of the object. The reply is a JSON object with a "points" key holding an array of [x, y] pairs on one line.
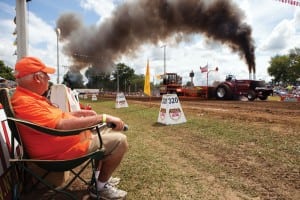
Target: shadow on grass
{"points": [[157, 124]]}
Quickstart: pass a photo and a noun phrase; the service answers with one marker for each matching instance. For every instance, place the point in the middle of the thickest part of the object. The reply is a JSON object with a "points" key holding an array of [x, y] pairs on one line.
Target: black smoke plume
{"points": [[150, 21]]}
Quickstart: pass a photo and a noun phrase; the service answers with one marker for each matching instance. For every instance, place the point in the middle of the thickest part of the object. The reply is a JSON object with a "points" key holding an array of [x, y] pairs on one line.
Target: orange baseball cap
{"points": [[30, 65]]}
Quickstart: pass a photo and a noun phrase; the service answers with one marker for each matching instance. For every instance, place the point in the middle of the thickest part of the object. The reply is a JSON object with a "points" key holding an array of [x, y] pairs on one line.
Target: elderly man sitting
{"points": [[29, 104]]}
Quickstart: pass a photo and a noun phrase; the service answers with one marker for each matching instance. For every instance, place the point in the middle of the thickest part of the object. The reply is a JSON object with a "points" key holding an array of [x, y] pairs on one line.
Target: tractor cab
{"points": [[171, 78], [171, 84], [230, 77]]}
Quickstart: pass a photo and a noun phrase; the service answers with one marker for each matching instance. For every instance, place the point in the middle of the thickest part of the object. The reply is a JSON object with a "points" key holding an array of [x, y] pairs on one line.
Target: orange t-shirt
{"points": [[37, 109]]}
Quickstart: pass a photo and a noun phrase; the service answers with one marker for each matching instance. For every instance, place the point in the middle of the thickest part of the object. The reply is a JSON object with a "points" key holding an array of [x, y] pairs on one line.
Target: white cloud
{"points": [[280, 36], [103, 8], [297, 20], [5, 8], [284, 36], [7, 48]]}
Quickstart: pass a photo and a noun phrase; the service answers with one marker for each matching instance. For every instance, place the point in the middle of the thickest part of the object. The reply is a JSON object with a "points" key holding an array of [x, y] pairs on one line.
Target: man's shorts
{"points": [[111, 140]]}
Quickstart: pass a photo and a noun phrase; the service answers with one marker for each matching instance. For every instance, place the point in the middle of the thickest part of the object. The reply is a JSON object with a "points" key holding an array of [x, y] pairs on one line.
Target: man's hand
{"points": [[119, 124]]}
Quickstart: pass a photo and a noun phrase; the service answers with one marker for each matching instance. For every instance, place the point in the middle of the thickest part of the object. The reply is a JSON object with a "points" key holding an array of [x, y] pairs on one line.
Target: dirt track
{"points": [[281, 116], [271, 180], [268, 176]]}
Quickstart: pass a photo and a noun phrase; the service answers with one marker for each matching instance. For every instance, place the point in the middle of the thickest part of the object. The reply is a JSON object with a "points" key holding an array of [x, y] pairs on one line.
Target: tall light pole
{"points": [[118, 81], [164, 46], [57, 31], [21, 28], [216, 69]]}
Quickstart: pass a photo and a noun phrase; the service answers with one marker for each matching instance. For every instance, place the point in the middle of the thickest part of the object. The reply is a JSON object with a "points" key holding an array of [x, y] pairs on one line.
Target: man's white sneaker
{"points": [[114, 181], [108, 192]]}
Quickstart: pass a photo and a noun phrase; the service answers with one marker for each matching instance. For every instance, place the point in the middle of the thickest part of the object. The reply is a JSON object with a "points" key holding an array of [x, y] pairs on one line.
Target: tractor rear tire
{"points": [[263, 98], [223, 92], [251, 95]]}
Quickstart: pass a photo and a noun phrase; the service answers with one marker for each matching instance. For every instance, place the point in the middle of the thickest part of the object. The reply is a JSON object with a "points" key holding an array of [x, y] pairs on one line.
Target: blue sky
{"points": [[56, 8], [275, 25]]}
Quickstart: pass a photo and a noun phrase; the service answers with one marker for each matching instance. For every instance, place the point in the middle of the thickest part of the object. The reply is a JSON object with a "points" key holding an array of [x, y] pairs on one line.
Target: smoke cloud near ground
{"points": [[139, 22]]}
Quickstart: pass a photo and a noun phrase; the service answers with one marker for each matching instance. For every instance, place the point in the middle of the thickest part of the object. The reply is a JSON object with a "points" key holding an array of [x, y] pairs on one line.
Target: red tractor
{"points": [[171, 84], [233, 89]]}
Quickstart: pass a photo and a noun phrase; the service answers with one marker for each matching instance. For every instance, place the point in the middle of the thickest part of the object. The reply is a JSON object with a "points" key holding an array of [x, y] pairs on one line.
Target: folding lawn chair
{"points": [[22, 159]]}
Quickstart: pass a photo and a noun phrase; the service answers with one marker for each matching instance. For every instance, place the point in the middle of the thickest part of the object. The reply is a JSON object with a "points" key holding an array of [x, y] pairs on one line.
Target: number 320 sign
{"points": [[170, 110], [170, 100]]}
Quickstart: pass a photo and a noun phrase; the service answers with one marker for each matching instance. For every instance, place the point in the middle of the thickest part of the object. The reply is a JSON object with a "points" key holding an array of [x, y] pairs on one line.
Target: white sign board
{"points": [[94, 97], [170, 111], [65, 98], [121, 100]]}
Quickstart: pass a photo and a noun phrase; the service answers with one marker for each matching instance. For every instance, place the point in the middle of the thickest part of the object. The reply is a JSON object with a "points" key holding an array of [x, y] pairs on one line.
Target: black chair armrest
{"points": [[55, 132], [58, 132]]}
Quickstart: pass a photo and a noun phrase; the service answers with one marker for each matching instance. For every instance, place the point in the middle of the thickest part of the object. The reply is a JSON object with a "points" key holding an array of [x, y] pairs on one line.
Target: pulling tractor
{"points": [[232, 88], [171, 84]]}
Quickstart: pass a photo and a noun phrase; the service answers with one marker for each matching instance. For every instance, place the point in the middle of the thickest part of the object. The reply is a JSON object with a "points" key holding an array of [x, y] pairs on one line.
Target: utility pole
{"points": [[22, 30], [117, 81], [164, 46], [57, 31]]}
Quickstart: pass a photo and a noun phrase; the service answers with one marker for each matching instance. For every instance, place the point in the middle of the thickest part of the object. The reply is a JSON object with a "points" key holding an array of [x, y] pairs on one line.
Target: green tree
{"points": [[125, 74], [97, 79], [285, 68], [128, 80], [6, 72], [73, 79], [108, 81], [278, 68], [137, 83], [294, 71]]}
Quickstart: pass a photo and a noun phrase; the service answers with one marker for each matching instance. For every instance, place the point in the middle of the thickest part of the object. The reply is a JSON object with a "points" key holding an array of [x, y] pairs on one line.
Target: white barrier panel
{"points": [[94, 97], [121, 100], [4, 142], [87, 91], [170, 111], [65, 98], [7, 173]]}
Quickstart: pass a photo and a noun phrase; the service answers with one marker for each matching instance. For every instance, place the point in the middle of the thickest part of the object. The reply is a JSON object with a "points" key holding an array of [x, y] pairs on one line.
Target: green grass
{"points": [[204, 158]]}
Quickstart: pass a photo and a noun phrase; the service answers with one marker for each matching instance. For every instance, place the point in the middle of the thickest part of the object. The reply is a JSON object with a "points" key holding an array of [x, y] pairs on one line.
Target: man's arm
{"points": [[81, 122], [83, 113]]}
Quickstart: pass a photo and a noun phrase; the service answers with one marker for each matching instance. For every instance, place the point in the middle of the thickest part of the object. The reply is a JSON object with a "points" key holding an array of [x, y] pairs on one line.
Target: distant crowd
{"points": [[7, 83], [290, 90]]}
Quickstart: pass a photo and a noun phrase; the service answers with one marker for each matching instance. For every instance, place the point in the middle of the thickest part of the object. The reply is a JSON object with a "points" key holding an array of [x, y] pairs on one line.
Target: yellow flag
{"points": [[147, 90]]}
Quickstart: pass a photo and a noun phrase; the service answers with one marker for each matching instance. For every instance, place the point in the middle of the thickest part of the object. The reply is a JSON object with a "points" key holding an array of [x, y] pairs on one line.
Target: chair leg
{"points": [[77, 175], [16, 192], [94, 179], [24, 169], [18, 181], [46, 183], [38, 181]]}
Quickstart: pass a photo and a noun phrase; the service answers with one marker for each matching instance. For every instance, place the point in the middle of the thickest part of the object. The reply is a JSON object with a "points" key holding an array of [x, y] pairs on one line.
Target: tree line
{"points": [[122, 78], [285, 68]]}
